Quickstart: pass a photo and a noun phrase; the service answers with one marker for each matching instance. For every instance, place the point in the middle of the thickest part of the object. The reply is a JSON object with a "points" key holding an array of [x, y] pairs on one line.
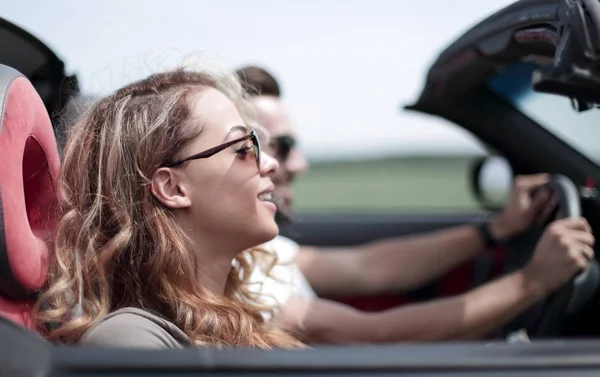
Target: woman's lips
{"points": [[270, 206]]}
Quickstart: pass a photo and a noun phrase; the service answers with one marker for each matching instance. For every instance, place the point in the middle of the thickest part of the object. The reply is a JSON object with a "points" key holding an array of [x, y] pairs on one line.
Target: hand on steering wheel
{"points": [[526, 206], [565, 249], [564, 260]]}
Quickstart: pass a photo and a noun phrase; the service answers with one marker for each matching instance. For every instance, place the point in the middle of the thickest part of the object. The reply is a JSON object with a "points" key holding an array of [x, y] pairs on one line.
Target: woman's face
{"points": [[228, 194]]}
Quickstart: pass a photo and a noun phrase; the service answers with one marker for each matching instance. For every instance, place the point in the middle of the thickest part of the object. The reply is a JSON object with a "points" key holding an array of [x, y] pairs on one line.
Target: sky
{"points": [[346, 67]]}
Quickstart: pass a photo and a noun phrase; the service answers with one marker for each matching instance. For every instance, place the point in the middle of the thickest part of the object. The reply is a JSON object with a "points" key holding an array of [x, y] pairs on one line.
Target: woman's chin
{"points": [[259, 229], [273, 230], [268, 230]]}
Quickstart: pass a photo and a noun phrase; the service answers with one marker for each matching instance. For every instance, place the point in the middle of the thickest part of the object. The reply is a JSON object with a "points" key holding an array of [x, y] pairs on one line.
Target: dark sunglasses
{"points": [[283, 145], [214, 150]]}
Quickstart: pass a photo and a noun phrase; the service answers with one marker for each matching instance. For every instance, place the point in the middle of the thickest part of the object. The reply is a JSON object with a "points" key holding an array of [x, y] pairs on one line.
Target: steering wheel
{"points": [[549, 318], [571, 298]]}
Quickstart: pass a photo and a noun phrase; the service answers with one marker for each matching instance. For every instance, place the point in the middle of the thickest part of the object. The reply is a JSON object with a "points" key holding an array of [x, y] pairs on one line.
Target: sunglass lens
{"points": [[256, 149], [284, 147]]}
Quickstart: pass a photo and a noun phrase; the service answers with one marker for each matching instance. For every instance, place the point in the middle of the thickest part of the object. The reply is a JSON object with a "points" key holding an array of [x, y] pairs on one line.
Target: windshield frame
{"points": [[513, 85]]}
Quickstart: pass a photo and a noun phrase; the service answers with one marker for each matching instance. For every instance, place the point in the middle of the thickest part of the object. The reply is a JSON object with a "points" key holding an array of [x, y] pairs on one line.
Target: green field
{"points": [[415, 184]]}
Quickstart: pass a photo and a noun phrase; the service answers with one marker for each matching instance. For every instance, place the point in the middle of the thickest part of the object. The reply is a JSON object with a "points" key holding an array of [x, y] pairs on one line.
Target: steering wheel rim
{"points": [[571, 298]]}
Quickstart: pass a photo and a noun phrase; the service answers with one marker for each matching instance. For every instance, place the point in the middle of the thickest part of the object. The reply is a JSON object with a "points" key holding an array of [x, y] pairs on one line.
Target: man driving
{"points": [[405, 263]]}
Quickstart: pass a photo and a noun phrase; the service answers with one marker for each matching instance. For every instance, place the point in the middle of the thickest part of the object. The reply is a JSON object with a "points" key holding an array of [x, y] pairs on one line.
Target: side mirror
{"points": [[491, 181]]}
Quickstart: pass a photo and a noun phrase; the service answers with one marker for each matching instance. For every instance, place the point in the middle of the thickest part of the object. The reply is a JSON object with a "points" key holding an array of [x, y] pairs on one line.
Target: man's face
{"points": [[272, 115]]}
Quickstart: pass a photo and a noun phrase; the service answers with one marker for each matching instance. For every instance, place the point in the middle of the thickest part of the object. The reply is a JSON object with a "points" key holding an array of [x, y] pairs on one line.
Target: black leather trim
{"points": [[22, 352], [7, 76]]}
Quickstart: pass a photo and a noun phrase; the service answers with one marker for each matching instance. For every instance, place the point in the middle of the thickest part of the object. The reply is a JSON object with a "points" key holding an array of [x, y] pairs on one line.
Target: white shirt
{"points": [[287, 280]]}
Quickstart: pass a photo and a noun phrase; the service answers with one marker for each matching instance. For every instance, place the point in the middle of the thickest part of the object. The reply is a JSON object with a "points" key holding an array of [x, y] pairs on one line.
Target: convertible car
{"points": [[525, 81]]}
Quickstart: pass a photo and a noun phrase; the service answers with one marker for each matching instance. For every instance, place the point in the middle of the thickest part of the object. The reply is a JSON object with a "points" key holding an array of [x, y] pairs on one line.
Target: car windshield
{"points": [[581, 130]]}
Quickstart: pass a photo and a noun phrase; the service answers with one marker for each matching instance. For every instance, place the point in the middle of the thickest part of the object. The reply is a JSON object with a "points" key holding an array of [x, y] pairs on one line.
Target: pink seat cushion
{"points": [[28, 171]]}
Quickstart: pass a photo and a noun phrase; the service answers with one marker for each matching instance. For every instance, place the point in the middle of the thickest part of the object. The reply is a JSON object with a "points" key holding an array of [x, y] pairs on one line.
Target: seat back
{"points": [[29, 164]]}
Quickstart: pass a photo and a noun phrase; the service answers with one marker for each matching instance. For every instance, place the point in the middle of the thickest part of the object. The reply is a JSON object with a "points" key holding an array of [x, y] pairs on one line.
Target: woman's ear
{"points": [[168, 190]]}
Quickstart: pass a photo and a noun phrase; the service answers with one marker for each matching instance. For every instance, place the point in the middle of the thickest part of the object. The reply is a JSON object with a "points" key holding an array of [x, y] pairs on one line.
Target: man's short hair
{"points": [[257, 81]]}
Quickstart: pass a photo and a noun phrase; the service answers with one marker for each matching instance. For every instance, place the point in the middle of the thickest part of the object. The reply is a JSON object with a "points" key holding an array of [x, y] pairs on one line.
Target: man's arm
{"points": [[564, 249], [401, 264], [391, 265], [463, 317]]}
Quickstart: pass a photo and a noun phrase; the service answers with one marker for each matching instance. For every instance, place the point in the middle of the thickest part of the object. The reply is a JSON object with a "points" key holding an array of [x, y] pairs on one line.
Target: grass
{"points": [[415, 184]]}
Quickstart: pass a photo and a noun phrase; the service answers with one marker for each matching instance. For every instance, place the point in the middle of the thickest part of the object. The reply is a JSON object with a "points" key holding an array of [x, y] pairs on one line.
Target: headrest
{"points": [[28, 171], [36, 61]]}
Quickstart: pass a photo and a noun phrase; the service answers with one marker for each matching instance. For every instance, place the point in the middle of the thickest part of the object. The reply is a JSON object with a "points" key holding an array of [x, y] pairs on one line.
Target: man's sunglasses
{"points": [[214, 150], [283, 145]]}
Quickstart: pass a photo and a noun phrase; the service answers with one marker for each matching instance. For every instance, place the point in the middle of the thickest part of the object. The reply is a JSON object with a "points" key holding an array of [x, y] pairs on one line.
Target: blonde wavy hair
{"points": [[117, 246]]}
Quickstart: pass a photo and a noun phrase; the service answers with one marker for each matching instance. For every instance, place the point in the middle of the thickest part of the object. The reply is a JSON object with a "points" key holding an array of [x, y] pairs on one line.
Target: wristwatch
{"points": [[484, 230]]}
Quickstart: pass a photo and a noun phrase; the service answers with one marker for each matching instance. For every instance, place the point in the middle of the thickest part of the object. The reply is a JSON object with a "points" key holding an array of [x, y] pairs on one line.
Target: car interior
{"points": [[482, 82]]}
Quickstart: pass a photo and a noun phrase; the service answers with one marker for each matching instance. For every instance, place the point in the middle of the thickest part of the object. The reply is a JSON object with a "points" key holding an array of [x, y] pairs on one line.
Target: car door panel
{"points": [[344, 229], [358, 228]]}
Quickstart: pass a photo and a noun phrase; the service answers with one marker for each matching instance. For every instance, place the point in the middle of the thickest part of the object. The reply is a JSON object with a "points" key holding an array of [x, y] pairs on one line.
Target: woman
{"points": [[162, 185]]}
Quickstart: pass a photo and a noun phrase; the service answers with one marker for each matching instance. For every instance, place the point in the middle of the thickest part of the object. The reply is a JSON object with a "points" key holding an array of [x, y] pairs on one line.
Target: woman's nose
{"points": [[268, 165]]}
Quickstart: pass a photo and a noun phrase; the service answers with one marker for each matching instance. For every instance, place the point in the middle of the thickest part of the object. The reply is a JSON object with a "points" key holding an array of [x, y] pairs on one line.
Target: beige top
{"points": [[135, 328]]}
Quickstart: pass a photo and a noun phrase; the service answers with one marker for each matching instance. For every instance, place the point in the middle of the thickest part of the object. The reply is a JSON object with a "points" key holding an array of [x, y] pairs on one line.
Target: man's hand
{"points": [[564, 249], [523, 209]]}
